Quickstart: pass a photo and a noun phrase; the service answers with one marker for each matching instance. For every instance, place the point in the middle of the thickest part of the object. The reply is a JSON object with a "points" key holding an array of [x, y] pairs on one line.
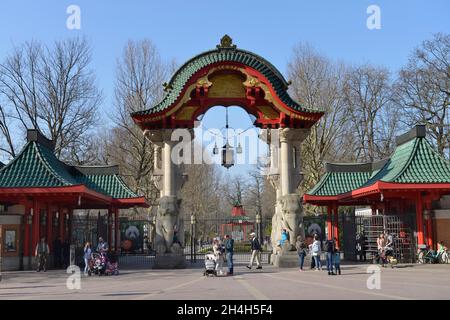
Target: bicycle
{"points": [[444, 257], [426, 255]]}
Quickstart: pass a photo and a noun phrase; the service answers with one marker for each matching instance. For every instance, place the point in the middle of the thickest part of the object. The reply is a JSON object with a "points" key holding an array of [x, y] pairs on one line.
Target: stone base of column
{"points": [[169, 261], [284, 258]]}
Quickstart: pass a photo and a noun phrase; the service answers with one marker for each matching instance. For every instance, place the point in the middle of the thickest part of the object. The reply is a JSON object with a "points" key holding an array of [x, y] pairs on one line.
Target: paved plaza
{"points": [[403, 282]]}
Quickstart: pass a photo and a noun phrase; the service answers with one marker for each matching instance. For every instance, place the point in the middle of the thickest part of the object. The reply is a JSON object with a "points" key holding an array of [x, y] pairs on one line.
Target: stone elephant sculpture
{"points": [[292, 217], [168, 222]]}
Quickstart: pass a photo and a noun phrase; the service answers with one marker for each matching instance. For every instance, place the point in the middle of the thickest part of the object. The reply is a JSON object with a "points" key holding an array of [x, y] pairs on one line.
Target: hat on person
{"points": [[253, 234]]}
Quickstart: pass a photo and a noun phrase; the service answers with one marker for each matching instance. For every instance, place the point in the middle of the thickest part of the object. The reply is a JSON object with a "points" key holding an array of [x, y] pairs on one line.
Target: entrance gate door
{"points": [[198, 238], [399, 226]]}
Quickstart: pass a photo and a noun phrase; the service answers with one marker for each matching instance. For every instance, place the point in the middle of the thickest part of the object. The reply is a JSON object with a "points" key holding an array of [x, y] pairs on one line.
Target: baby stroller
{"points": [[210, 265], [97, 264], [112, 266]]}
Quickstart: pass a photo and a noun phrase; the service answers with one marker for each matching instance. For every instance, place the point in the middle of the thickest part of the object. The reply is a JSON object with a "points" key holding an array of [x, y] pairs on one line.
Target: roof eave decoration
{"points": [[263, 85]]}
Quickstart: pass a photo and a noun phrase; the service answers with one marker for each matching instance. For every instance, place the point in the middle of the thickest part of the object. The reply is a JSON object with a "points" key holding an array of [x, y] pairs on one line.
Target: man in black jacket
{"points": [[256, 251], [229, 249]]}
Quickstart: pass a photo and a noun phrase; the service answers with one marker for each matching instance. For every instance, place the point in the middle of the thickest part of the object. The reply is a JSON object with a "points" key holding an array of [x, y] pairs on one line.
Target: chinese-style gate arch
{"points": [[228, 76]]}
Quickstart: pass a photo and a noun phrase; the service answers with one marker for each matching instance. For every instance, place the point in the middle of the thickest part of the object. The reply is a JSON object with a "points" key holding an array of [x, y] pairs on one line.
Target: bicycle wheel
{"points": [[443, 258], [421, 257]]}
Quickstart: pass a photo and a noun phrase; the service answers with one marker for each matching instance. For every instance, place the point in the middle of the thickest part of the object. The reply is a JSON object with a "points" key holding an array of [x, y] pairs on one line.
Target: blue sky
{"points": [[182, 29]]}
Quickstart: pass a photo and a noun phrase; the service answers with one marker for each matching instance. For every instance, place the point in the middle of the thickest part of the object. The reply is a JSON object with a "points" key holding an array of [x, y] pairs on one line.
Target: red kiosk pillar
{"points": [[336, 225], [110, 212], [49, 226], [116, 230], [27, 233], [36, 226], [429, 223], [419, 219], [61, 218], [329, 223]]}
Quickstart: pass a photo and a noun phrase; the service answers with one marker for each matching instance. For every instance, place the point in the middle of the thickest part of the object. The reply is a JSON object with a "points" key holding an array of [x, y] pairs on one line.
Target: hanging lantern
{"points": [[239, 148], [215, 149], [227, 156]]}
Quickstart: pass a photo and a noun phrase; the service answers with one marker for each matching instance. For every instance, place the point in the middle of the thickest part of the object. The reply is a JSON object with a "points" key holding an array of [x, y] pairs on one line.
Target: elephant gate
{"points": [[226, 76]]}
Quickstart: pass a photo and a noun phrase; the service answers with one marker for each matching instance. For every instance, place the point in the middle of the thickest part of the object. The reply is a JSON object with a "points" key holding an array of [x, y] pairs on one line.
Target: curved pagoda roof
{"points": [[37, 167], [225, 53], [414, 165]]}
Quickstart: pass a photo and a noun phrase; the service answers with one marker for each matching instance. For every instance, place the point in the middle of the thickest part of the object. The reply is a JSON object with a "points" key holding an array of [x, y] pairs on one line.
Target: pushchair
{"points": [[210, 265], [112, 266], [97, 264]]}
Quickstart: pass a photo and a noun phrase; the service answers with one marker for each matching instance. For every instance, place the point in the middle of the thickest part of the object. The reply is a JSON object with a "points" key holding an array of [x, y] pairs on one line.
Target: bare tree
{"points": [[6, 139], [318, 83], [52, 89], [423, 90], [139, 77], [368, 96]]}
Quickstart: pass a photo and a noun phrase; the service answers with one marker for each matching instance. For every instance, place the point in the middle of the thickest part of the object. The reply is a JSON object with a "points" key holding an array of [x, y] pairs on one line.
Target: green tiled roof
{"points": [[414, 161], [228, 54], [334, 183], [37, 166], [1, 164], [112, 185]]}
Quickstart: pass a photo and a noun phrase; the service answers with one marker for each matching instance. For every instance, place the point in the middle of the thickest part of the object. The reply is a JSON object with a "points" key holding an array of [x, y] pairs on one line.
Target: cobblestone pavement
{"points": [[403, 282]]}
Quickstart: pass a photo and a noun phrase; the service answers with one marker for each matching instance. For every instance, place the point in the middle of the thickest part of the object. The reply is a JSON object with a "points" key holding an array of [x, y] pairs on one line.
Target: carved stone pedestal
{"points": [[169, 261]]}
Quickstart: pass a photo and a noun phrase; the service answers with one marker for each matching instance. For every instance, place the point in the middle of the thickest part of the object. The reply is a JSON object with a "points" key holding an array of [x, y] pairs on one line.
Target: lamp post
{"points": [[258, 227], [153, 231], [193, 222]]}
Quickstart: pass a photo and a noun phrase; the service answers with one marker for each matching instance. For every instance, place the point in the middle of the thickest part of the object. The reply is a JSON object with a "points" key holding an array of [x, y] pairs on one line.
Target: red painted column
{"points": [[336, 225], [27, 233], [329, 223], [429, 224], [36, 225], [419, 219], [49, 228], [116, 230], [62, 217]]}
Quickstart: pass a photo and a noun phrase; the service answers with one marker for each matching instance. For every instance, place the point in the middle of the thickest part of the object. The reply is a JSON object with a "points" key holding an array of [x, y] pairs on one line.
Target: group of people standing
{"points": [[225, 251], [333, 257]]}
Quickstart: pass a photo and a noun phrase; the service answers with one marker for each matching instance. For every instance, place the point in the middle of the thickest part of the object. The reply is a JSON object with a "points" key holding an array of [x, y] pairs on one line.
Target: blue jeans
{"points": [[86, 265], [329, 262], [317, 261], [230, 262], [337, 267], [301, 259]]}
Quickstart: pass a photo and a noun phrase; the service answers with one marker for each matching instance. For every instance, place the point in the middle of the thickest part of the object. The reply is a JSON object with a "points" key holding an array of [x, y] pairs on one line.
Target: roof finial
{"points": [[226, 43]]}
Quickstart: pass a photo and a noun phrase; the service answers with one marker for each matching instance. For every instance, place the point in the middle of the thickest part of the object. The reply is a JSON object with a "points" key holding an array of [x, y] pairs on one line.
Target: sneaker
{"points": [[248, 267], [329, 273], [259, 267]]}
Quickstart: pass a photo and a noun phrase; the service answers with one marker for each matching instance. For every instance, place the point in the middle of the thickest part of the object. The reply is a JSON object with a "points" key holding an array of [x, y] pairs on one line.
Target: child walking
{"points": [[337, 261]]}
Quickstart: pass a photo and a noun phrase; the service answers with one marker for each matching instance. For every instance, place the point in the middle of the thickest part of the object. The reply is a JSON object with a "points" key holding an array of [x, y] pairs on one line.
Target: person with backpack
{"points": [[229, 250], [331, 248], [316, 250], [256, 251], [41, 252], [300, 245]]}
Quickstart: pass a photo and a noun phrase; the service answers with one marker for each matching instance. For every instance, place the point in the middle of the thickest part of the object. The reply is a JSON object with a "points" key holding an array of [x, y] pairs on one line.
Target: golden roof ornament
{"points": [[226, 43]]}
